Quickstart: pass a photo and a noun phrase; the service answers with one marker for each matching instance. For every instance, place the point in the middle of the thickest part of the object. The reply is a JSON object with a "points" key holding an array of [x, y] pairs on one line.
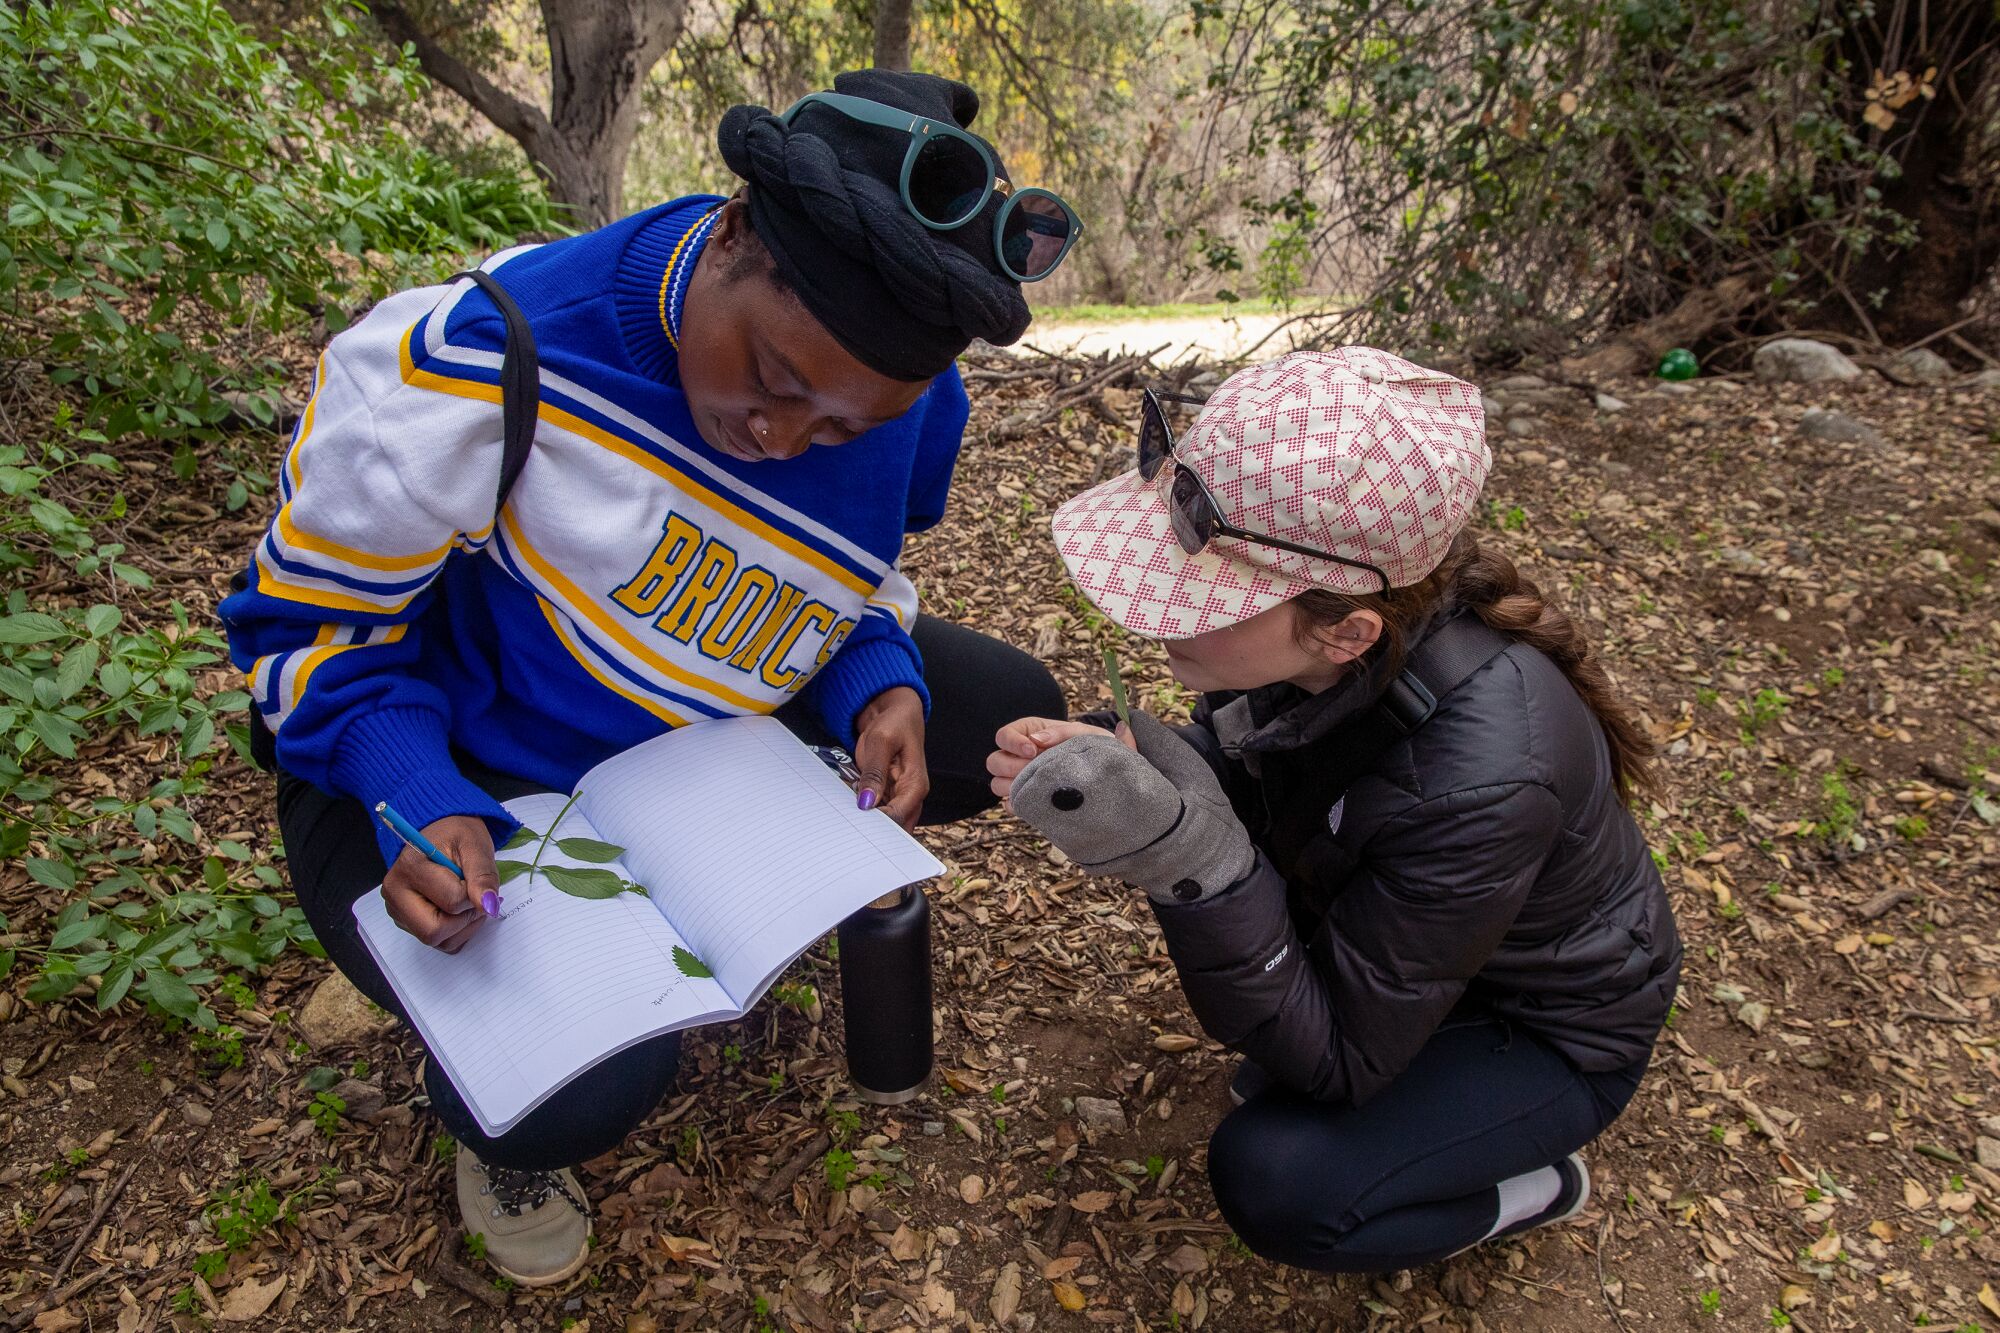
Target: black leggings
{"points": [[1408, 1177], [977, 685]]}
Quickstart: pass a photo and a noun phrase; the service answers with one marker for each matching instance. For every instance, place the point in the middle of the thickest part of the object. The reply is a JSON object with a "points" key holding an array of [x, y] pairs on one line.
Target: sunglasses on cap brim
{"points": [[1196, 516], [947, 177]]}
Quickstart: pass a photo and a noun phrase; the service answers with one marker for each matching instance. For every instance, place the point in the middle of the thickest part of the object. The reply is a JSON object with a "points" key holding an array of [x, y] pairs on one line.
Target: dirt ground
{"points": [[1811, 628]]}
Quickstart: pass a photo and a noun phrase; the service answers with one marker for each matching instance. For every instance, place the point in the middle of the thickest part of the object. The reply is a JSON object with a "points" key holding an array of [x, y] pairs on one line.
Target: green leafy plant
{"points": [[839, 1165], [326, 1110], [156, 232], [592, 883]]}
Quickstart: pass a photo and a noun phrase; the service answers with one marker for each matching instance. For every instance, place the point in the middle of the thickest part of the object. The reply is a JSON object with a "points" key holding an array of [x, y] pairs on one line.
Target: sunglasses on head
{"points": [[1192, 508], [948, 175]]}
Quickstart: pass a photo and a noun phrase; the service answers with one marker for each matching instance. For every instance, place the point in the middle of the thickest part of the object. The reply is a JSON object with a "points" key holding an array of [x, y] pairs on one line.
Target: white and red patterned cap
{"points": [[1352, 451]]}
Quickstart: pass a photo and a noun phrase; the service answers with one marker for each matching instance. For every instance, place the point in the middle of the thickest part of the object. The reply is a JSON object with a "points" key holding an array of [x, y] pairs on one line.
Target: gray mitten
{"points": [[1157, 819]]}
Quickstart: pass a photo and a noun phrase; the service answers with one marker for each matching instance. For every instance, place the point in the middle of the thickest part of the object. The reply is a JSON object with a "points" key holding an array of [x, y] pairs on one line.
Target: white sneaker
{"points": [[534, 1225]]}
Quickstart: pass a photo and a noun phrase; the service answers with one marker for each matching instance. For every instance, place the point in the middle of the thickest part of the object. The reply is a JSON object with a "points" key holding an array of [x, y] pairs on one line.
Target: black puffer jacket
{"points": [[1482, 862]]}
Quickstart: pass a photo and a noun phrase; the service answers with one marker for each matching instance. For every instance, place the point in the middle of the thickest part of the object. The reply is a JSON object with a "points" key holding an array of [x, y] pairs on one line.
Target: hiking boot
{"points": [[535, 1224]]}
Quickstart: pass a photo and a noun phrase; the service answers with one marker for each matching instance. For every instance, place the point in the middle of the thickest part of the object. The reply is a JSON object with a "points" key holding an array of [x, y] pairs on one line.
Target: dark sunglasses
{"points": [[948, 175], [1197, 518]]}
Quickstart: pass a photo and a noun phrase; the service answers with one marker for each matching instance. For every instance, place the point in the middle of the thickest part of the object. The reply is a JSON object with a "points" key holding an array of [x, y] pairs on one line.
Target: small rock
{"points": [[1513, 382], [1988, 523], [1613, 468], [1531, 457], [1493, 407], [1985, 379], [1934, 560], [363, 1101], [197, 1114], [1802, 361], [1991, 1124], [1747, 561], [933, 1129], [1606, 403], [972, 1189], [1919, 365], [1523, 427], [339, 1015], [1989, 1153], [1673, 389], [1837, 428], [1101, 1114]]}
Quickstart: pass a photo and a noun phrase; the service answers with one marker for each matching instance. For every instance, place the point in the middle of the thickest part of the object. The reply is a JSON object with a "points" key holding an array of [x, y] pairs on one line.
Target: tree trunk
{"points": [[892, 34], [1913, 292], [600, 52]]}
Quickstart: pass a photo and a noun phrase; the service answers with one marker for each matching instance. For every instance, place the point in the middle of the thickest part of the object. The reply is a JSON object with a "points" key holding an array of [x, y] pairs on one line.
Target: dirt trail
{"points": [[1208, 337]]}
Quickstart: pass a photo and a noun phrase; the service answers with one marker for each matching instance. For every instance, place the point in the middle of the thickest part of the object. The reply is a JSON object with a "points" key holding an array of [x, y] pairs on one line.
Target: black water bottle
{"points": [[885, 993]]}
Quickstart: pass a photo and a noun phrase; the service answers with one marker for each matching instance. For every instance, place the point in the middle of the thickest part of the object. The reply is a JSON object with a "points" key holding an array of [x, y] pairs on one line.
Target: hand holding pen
{"points": [[443, 886]]}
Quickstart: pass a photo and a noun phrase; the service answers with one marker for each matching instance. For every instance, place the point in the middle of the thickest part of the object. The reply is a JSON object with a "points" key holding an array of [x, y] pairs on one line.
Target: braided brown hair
{"points": [[1488, 584]]}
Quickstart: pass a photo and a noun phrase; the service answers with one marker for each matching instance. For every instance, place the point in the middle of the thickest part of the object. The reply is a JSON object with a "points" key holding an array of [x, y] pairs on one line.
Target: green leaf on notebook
{"points": [[589, 849], [690, 965], [522, 837], [585, 883], [510, 871]]}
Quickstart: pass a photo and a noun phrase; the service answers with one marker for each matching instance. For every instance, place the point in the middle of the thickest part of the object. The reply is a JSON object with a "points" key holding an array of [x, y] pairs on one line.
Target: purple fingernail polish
{"points": [[866, 800], [491, 902]]}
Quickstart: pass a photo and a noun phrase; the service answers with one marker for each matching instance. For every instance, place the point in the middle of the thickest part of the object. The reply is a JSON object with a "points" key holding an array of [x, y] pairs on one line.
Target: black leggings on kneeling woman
{"points": [[977, 685], [1409, 1176]]}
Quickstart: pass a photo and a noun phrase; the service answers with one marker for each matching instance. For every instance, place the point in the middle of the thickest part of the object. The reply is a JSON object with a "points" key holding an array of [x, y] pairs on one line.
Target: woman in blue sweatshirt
{"points": [[675, 548]]}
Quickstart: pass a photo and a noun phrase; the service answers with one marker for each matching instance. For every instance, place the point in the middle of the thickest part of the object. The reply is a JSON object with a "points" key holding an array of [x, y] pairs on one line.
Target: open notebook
{"points": [[749, 849]]}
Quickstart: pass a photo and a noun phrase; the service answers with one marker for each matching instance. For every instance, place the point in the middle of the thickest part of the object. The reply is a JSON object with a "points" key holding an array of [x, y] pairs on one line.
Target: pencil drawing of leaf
{"points": [[690, 965], [589, 849], [522, 837], [510, 871], [584, 883]]}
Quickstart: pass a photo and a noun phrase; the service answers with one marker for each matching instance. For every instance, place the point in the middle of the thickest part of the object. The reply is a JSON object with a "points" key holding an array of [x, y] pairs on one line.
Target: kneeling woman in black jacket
{"points": [[1390, 856]]}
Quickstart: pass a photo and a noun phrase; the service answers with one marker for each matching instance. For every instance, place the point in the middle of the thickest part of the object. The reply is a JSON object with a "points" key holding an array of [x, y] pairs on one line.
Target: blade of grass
{"points": [[1117, 686]]}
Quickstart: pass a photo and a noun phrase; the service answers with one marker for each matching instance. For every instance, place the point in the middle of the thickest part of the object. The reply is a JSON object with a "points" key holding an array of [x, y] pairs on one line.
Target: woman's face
{"points": [[1270, 647], [763, 378]]}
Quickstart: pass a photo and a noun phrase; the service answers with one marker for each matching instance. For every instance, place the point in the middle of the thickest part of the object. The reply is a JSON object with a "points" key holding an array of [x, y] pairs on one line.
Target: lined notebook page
{"points": [[552, 987], [751, 846]]}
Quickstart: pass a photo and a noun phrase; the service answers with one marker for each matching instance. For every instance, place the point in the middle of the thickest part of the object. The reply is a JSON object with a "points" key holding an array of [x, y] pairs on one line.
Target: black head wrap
{"points": [[824, 199]]}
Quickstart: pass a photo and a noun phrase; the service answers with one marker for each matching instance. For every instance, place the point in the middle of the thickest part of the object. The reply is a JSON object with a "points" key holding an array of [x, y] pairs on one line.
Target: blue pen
{"points": [[402, 828]]}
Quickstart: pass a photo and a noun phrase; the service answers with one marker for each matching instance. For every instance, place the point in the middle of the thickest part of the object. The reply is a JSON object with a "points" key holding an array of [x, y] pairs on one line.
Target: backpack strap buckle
{"points": [[1407, 704]]}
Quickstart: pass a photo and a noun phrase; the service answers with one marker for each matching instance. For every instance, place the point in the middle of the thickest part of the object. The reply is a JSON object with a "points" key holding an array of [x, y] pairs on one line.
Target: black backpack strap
{"points": [[1441, 663], [520, 386]]}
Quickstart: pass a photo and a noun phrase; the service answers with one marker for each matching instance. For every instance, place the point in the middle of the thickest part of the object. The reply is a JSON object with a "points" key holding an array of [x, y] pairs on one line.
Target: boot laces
{"points": [[517, 1192]]}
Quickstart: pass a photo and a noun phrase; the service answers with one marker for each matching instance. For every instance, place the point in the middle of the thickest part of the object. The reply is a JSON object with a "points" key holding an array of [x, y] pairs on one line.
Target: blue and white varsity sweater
{"points": [[636, 579]]}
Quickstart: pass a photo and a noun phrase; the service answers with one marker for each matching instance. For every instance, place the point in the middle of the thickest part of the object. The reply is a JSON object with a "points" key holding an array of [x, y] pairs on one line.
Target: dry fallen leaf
{"points": [[1989, 1300], [1882, 1231], [248, 1299], [905, 1245], [1006, 1297], [1069, 1296], [1175, 1042], [1848, 944], [1093, 1201], [1188, 1258], [1915, 1196], [680, 1249], [1826, 1247], [1792, 1296], [972, 1189]]}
